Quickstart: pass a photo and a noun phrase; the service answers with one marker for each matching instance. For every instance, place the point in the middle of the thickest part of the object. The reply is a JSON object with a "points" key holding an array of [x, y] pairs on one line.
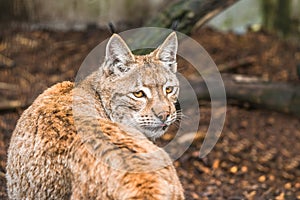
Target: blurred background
{"points": [[276, 15], [255, 44]]}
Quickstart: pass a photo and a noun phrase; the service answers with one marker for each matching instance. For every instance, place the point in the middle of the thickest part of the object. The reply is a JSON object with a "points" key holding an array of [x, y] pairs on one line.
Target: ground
{"points": [[257, 155]]}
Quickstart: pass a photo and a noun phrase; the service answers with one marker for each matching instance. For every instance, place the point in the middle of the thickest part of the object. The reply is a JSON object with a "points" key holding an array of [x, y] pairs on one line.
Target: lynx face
{"points": [[140, 91]]}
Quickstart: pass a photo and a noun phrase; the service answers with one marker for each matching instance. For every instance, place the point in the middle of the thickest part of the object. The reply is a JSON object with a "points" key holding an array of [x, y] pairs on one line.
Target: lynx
{"points": [[94, 139]]}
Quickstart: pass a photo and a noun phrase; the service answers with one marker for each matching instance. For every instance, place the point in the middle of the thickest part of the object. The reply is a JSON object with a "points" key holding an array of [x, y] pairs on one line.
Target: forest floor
{"points": [[257, 155]]}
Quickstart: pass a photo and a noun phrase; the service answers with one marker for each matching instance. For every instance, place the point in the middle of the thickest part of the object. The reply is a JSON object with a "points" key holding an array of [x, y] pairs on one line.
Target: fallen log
{"points": [[6, 62], [10, 104], [7, 86], [278, 96], [234, 64]]}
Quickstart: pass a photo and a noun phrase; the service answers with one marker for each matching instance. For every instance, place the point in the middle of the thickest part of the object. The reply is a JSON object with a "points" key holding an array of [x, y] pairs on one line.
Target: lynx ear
{"points": [[167, 51], [117, 55]]}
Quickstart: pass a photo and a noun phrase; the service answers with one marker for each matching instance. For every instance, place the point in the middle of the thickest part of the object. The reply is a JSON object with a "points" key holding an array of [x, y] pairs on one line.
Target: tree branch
{"points": [[188, 13]]}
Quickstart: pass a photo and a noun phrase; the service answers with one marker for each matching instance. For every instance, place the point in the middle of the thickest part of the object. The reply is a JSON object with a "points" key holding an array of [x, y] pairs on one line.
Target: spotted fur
{"points": [[93, 140]]}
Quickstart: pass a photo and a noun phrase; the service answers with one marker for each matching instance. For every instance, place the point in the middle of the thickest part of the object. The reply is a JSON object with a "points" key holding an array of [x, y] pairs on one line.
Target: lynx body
{"points": [[93, 140]]}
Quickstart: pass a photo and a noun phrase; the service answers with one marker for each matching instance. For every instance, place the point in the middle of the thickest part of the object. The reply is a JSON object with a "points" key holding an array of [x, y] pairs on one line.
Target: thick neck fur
{"points": [[87, 93]]}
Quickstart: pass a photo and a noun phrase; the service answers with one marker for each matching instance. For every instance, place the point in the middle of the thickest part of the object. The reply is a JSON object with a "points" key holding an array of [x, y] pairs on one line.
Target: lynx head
{"points": [[140, 91]]}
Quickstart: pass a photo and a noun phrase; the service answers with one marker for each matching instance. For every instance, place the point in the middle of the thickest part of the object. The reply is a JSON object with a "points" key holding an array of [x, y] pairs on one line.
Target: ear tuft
{"points": [[117, 55], [168, 50]]}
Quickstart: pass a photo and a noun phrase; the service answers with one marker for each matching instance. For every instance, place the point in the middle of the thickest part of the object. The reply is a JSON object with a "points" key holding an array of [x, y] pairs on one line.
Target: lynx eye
{"points": [[169, 89], [139, 94]]}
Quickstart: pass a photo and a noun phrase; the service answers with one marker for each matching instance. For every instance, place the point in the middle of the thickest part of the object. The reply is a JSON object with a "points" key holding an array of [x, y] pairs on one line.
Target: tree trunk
{"points": [[12, 10], [277, 16]]}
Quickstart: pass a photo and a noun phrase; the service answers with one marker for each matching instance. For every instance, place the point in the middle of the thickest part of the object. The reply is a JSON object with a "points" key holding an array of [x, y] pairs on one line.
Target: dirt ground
{"points": [[257, 155]]}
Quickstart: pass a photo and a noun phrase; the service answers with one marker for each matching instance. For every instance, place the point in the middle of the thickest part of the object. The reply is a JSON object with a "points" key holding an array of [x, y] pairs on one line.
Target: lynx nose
{"points": [[163, 115]]}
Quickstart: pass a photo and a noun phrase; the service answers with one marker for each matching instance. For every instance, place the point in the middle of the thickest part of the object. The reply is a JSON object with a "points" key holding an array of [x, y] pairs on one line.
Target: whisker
{"points": [[176, 125], [181, 115]]}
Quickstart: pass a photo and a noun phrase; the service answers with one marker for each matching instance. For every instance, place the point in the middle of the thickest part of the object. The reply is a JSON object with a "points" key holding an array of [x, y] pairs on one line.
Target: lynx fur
{"points": [[93, 140]]}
